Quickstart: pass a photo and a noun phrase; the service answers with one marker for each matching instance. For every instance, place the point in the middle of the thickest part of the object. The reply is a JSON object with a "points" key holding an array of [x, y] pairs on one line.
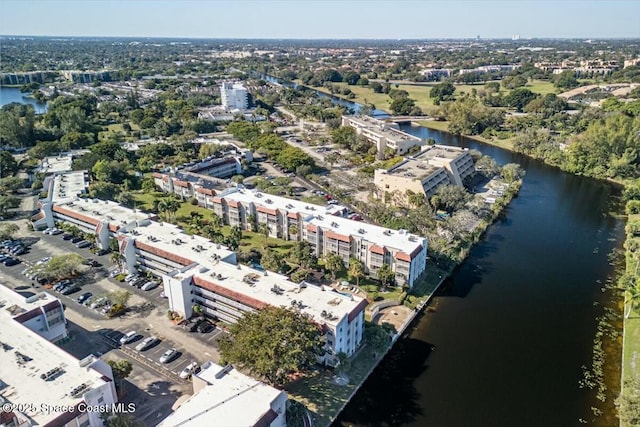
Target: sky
{"points": [[328, 19]]}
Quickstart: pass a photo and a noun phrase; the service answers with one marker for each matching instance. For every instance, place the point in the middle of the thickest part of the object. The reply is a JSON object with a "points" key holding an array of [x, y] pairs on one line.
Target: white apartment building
{"points": [[226, 292], [384, 135], [42, 313], [326, 231], [434, 166], [223, 396], [44, 380], [234, 96]]}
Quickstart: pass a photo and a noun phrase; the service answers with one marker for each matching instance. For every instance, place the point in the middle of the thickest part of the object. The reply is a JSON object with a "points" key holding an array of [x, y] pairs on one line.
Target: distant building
{"points": [[223, 396], [434, 166], [234, 96], [436, 73], [384, 135]]}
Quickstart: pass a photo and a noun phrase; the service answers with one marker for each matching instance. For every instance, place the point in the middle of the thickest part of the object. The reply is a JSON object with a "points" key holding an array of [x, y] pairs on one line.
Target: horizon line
{"points": [[324, 38]]}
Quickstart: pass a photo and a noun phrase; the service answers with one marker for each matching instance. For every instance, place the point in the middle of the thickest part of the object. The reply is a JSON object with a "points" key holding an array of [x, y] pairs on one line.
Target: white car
{"points": [[47, 230], [147, 343], [130, 277], [44, 260], [128, 337], [99, 302], [192, 368], [149, 285]]}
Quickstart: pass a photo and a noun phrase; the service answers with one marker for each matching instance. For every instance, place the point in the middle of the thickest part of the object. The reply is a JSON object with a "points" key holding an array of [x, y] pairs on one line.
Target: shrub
{"points": [[633, 207], [193, 201], [120, 277]]}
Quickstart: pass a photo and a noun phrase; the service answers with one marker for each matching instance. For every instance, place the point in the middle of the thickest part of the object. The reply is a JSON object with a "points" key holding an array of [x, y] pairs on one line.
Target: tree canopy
{"points": [[273, 343]]}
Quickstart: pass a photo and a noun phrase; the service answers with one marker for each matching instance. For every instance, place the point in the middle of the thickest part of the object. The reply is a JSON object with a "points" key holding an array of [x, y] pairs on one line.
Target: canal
{"points": [[504, 341]]}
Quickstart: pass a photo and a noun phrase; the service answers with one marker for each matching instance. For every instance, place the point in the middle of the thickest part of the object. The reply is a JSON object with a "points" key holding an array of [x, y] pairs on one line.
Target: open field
{"points": [[420, 92]]}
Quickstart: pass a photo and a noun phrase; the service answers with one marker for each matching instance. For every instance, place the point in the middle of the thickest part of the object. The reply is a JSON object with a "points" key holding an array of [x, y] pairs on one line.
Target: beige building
{"points": [[384, 135], [434, 166]]}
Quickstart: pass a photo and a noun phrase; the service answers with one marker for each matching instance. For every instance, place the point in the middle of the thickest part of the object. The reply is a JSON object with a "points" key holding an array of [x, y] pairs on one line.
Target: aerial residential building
{"points": [[42, 313], [162, 247], [434, 166], [226, 292], [42, 381], [225, 397], [436, 73], [100, 217], [382, 134], [234, 96], [326, 231]]}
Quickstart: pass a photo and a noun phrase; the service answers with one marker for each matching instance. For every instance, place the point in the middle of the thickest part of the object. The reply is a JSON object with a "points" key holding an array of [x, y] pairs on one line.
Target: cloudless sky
{"points": [[367, 19]]}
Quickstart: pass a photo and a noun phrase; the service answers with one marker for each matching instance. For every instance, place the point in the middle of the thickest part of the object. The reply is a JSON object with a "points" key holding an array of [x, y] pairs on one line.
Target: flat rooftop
{"points": [[420, 165], [105, 211], [67, 186], [56, 164], [24, 356], [321, 216], [14, 303], [384, 129], [323, 304], [234, 399], [171, 238]]}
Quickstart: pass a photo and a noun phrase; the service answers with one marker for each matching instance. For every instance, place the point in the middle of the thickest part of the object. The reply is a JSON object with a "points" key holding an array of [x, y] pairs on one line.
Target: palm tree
{"points": [[333, 263], [356, 270], [169, 207], [118, 259], [633, 300], [121, 370], [264, 230]]}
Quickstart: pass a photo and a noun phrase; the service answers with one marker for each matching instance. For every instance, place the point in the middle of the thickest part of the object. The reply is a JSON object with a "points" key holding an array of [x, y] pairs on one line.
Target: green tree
{"points": [[566, 80], [121, 370], [628, 403], [148, 185], [386, 275], [512, 172], [272, 260], [302, 254], [442, 91], [450, 198], [333, 263], [118, 259], [356, 270], [8, 164], [8, 202], [264, 229], [11, 184], [17, 125], [378, 336], [60, 266], [344, 136], [7, 231], [273, 343], [519, 98]]}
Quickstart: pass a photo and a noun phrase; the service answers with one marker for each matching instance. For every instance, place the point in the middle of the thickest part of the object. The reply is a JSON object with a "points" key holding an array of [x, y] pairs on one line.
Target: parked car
{"points": [[169, 355], [137, 283], [128, 337], [67, 236], [130, 277], [83, 244], [47, 230], [3, 257], [149, 285], [204, 327], [76, 239], [68, 290], [101, 252], [19, 250], [106, 308], [192, 368], [114, 272], [99, 302], [44, 260], [147, 343], [11, 261], [58, 286], [55, 232], [84, 297]]}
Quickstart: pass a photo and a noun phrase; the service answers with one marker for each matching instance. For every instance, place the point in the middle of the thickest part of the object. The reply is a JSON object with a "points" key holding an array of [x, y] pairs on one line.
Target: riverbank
{"points": [[443, 126], [326, 394], [631, 327]]}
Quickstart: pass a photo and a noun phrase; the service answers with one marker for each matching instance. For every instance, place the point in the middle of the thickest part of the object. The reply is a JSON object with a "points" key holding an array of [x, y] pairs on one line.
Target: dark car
{"points": [[102, 252], [70, 289], [77, 239], [83, 244], [61, 284], [19, 250], [11, 261], [204, 327], [67, 236], [84, 297]]}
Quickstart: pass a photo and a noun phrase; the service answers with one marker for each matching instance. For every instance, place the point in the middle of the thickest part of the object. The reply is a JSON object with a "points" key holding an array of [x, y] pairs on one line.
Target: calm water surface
{"points": [[507, 336], [13, 94]]}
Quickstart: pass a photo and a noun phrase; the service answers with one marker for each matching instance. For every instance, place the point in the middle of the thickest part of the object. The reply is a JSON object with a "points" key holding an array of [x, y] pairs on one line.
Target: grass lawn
{"points": [[322, 396], [631, 354]]}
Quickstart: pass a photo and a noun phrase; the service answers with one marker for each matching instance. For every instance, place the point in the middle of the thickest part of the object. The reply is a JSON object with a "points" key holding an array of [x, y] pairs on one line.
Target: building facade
{"points": [[234, 96], [434, 166], [382, 134]]}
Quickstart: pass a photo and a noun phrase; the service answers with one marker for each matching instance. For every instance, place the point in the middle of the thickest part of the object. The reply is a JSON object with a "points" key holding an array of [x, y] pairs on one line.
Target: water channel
{"points": [[504, 341]]}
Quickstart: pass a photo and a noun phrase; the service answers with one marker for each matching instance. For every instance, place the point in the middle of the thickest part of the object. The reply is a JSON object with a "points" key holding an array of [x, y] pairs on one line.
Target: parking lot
{"points": [[91, 332]]}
